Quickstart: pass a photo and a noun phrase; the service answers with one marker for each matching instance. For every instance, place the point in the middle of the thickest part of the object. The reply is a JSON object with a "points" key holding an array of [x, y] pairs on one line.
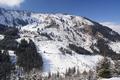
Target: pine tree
{"points": [[104, 69], [28, 57], [5, 66]]}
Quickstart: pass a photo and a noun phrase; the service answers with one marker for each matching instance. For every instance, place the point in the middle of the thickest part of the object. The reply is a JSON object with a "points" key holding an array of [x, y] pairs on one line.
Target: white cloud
{"points": [[112, 25], [10, 3]]}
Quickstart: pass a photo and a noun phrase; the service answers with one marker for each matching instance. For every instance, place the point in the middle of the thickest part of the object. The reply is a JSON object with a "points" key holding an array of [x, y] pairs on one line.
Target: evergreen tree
{"points": [[5, 66], [28, 57], [104, 69]]}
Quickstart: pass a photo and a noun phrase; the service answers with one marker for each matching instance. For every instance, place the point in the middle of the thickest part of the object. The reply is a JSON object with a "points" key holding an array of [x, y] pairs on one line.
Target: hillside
{"points": [[62, 41]]}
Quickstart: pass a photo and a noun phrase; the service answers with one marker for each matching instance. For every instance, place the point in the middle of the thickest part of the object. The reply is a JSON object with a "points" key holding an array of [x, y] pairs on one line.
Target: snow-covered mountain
{"points": [[64, 41]]}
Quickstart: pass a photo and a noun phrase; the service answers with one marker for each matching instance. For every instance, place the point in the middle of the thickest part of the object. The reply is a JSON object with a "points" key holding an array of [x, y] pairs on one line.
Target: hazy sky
{"points": [[99, 10]]}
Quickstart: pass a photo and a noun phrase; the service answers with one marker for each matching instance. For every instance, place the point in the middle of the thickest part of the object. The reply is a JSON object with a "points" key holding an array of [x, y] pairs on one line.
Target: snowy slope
{"points": [[52, 32], [1, 37], [114, 78], [55, 62], [61, 34]]}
